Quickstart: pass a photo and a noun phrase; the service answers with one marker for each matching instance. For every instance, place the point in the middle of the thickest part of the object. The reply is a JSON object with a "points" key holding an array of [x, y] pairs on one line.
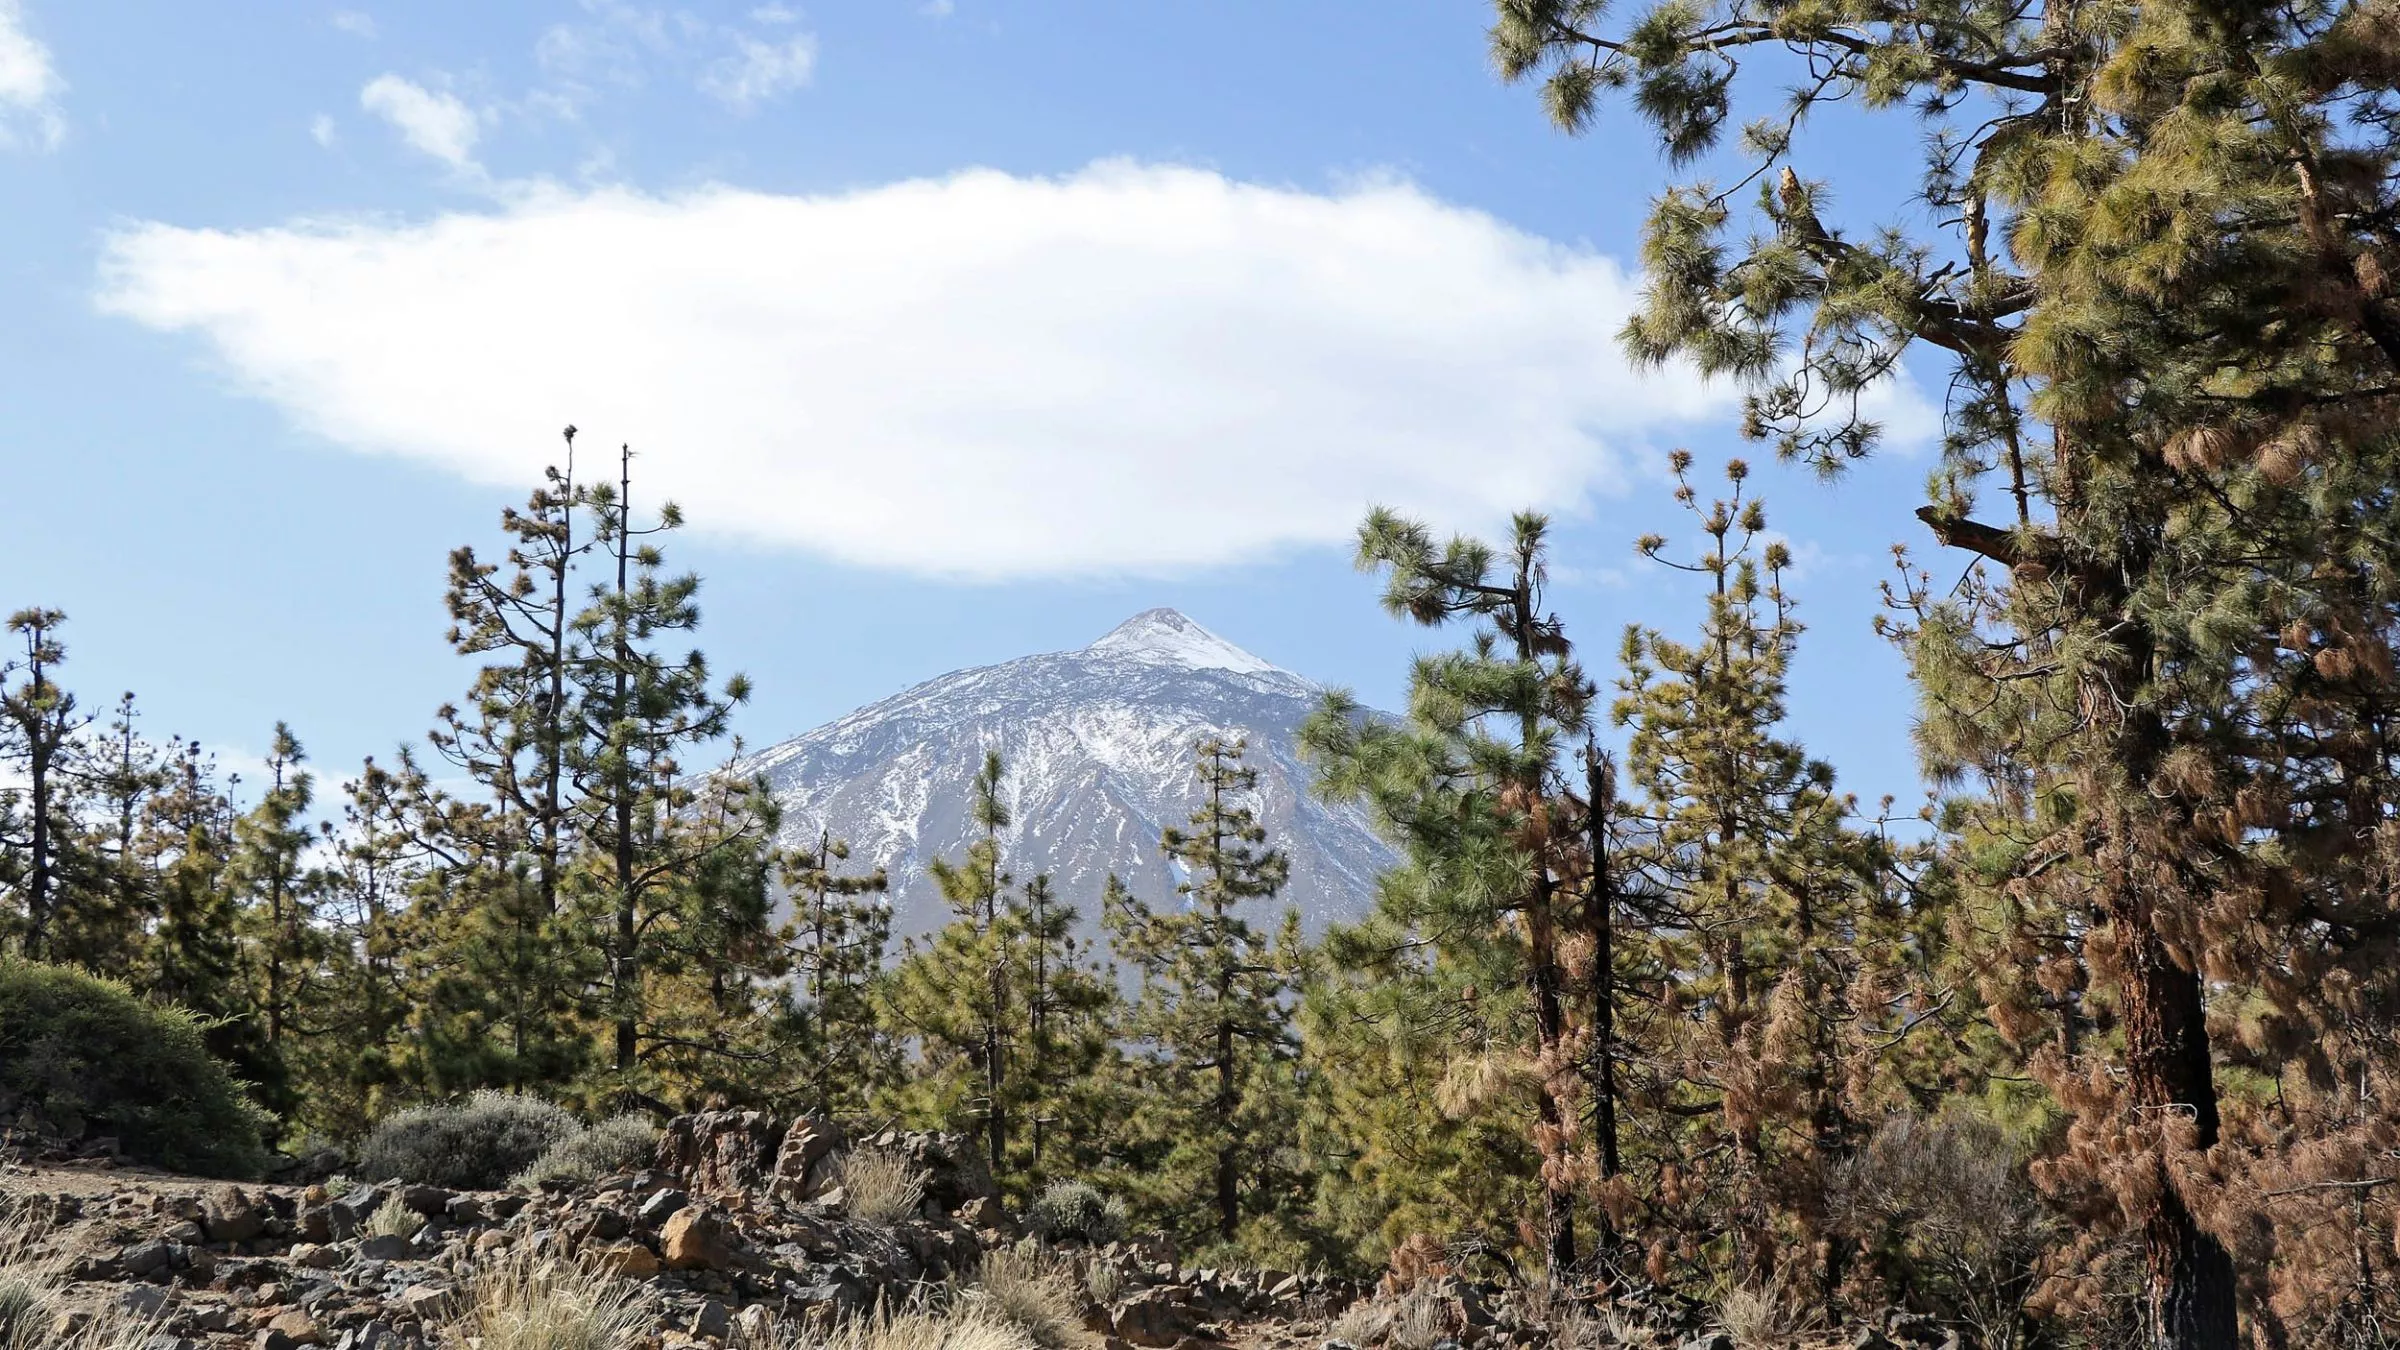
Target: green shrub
{"points": [[1077, 1211], [607, 1148], [82, 1057], [474, 1145]]}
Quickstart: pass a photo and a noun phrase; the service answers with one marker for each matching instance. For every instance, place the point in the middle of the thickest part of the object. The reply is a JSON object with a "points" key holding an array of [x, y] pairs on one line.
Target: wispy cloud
{"points": [[432, 121], [30, 86], [618, 44], [1130, 370], [356, 22], [758, 71], [321, 130]]}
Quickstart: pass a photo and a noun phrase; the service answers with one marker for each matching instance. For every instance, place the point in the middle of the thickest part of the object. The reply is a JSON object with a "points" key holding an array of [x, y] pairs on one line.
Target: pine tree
{"points": [[637, 710], [1489, 835], [1215, 1012], [378, 864], [38, 723], [105, 917], [194, 957], [512, 974], [974, 888], [837, 936], [1010, 1021], [1070, 1029], [514, 735], [1760, 917], [2161, 282], [271, 843]]}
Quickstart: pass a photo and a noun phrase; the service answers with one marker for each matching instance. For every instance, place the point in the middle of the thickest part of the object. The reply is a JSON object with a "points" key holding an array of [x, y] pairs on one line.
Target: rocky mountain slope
{"points": [[1099, 745]]}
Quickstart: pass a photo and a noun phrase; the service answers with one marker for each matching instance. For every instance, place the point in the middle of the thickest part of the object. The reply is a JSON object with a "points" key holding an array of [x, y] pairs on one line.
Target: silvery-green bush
{"points": [[474, 1145]]}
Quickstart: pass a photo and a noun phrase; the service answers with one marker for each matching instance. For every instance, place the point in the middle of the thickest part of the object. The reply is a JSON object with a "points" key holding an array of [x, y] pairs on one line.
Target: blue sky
{"points": [[960, 330]]}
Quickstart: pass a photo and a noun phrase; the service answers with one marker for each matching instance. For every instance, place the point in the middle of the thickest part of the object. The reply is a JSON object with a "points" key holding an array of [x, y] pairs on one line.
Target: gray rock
{"points": [[389, 1247], [429, 1201], [657, 1208], [1714, 1340], [147, 1258]]}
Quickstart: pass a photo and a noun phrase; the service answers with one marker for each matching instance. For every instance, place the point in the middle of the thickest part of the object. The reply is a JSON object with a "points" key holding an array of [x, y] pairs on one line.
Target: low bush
{"points": [[474, 1145], [609, 1147], [1076, 1211], [82, 1058]]}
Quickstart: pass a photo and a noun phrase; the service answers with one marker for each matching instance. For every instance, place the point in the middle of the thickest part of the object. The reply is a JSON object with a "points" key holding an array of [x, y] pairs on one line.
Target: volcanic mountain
{"points": [[1098, 745]]}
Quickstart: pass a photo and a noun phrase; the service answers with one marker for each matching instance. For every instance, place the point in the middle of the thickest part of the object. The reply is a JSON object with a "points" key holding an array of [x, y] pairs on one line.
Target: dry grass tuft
{"points": [[1412, 1321], [33, 1296], [1761, 1318], [525, 1302], [880, 1185], [1037, 1293], [394, 1219], [966, 1326]]}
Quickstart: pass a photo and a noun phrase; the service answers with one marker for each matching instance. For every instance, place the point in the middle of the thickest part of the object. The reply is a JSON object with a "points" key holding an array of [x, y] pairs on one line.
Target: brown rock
{"points": [[629, 1259], [1155, 1317], [694, 1239], [231, 1216], [314, 1224], [424, 1302], [296, 1327], [721, 1153], [798, 1163]]}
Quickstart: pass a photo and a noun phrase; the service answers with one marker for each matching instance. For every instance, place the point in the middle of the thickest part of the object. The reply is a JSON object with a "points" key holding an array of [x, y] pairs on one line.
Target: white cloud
{"points": [[938, 9], [30, 86], [1132, 370], [434, 122], [356, 22], [758, 71], [321, 130]]}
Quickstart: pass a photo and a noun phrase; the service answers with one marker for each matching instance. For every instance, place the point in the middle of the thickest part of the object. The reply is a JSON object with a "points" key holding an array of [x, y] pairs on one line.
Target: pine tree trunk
{"points": [[38, 884], [2162, 1009], [1601, 919], [2166, 1043]]}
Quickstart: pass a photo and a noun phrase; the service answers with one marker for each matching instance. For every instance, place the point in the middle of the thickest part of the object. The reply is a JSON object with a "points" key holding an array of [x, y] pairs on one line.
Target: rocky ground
{"points": [[738, 1227]]}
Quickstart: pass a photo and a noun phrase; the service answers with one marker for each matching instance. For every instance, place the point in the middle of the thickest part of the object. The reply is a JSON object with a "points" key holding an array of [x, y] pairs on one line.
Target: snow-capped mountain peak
{"points": [[1169, 637], [1098, 744]]}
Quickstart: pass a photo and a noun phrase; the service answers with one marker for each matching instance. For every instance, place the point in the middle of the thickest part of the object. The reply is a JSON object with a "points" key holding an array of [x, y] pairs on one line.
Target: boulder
{"points": [[719, 1153], [389, 1247], [230, 1215], [430, 1201], [654, 1211], [695, 1239], [799, 1162], [295, 1327], [631, 1260], [1156, 1317]]}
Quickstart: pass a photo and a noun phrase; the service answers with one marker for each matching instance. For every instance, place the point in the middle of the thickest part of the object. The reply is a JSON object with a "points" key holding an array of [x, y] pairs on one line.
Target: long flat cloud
{"points": [[1129, 370]]}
